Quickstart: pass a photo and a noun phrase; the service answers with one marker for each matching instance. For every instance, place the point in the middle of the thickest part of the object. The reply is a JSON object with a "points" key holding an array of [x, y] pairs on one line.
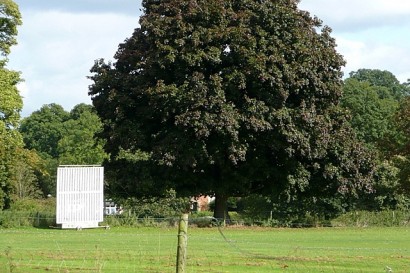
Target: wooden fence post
{"points": [[182, 243]]}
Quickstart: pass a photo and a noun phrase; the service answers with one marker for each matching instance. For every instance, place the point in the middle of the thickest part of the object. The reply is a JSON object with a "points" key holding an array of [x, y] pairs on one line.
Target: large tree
{"points": [[227, 98]]}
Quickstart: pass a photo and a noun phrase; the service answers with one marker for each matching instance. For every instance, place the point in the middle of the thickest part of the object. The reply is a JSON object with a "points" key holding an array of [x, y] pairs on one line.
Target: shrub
{"points": [[34, 205], [29, 212], [156, 207]]}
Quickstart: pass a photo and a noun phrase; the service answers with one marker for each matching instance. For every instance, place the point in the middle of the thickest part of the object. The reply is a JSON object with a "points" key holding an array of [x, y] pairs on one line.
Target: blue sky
{"points": [[60, 39]]}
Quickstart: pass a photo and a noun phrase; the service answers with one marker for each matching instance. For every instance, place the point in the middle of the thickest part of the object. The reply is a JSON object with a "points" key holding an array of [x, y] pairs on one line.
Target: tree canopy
{"points": [[389, 86], [44, 128], [228, 98], [78, 144], [373, 97], [372, 108]]}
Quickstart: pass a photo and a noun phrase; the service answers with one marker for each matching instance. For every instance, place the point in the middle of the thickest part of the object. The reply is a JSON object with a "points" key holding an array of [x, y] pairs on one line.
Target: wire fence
{"points": [[9, 219]]}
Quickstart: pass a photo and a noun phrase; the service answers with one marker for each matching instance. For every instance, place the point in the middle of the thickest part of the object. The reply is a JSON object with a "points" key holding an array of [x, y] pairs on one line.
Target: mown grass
{"points": [[245, 250]]}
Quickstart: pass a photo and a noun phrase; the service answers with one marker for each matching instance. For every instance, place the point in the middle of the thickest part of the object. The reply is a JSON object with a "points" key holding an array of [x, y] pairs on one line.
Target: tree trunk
{"points": [[221, 207]]}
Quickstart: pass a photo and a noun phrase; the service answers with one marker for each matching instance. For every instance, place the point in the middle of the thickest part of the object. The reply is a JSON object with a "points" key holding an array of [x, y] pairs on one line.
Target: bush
{"points": [[29, 213], [34, 205], [131, 220], [14, 219], [167, 206]]}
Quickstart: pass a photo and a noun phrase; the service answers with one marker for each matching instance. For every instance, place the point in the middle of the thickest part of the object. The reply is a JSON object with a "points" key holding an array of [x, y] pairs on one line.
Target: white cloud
{"points": [[56, 51], [130, 7], [369, 33], [358, 14], [352, 52], [22, 87], [359, 54]]}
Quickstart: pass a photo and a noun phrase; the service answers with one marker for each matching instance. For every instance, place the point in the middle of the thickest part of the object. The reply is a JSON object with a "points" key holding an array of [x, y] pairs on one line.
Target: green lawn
{"points": [[247, 250]]}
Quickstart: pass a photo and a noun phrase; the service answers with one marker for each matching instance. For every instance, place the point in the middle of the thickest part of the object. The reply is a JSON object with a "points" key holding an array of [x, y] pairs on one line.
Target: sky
{"points": [[60, 40]]}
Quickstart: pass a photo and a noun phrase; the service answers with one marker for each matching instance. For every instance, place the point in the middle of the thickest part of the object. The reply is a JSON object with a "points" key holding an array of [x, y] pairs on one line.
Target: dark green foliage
{"points": [[34, 205], [47, 175], [161, 210], [78, 145], [10, 19], [402, 122], [255, 207], [308, 211], [44, 128], [66, 137], [372, 109], [12, 219], [388, 85], [80, 109], [29, 212], [402, 146], [373, 96], [228, 98], [378, 103], [168, 205]]}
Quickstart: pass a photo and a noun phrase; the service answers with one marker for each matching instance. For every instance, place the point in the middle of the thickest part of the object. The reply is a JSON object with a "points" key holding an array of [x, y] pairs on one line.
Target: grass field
{"points": [[245, 250]]}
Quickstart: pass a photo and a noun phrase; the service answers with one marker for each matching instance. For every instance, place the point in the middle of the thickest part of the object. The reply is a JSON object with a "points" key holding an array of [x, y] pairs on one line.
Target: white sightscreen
{"points": [[80, 197]]}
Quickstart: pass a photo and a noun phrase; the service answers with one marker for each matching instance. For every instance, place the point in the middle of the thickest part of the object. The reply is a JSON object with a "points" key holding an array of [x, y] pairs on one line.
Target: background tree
{"points": [[41, 132], [402, 121], [25, 173], [10, 19], [373, 96], [372, 109], [376, 101], [228, 98], [402, 158], [44, 128], [382, 78], [78, 144], [10, 102]]}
